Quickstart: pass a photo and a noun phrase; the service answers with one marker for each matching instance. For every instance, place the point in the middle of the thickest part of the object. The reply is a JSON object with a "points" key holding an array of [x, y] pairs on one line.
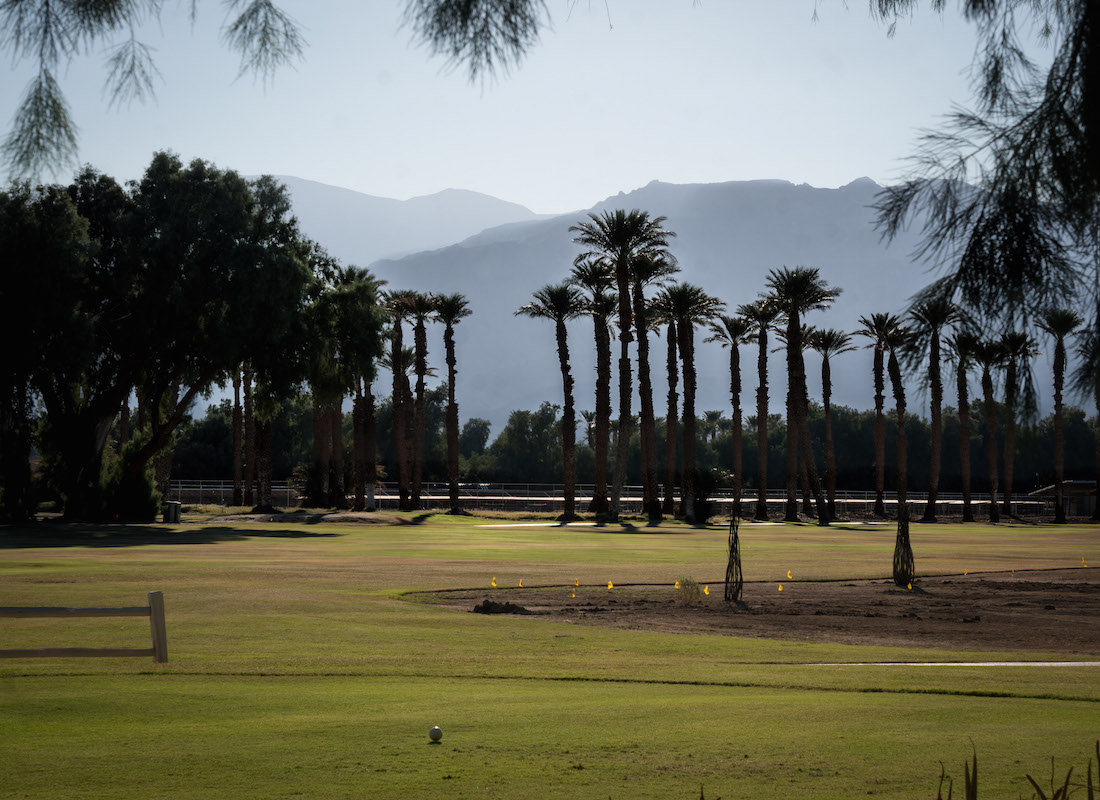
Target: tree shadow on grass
{"points": [[76, 534]]}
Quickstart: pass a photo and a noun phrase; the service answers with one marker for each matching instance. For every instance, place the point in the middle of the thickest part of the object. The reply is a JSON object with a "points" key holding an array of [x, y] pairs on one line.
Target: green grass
{"points": [[296, 669]]}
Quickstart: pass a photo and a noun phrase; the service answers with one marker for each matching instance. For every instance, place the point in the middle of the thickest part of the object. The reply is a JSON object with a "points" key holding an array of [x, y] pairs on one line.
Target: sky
{"points": [[616, 94]]}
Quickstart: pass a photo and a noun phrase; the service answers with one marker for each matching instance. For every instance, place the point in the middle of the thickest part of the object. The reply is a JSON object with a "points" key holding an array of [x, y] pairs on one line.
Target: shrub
{"points": [[688, 591]]}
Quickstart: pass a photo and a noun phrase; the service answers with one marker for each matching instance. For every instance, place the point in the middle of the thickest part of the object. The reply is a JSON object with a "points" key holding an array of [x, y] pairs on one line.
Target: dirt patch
{"points": [[1049, 611], [488, 606]]}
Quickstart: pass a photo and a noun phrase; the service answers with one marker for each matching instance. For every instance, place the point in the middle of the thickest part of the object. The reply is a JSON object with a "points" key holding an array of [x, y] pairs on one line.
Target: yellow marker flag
{"points": [[788, 574], [676, 585], [780, 587], [494, 582], [909, 586], [965, 571], [610, 585], [706, 590], [576, 582], [521, 583], [574, 592]]}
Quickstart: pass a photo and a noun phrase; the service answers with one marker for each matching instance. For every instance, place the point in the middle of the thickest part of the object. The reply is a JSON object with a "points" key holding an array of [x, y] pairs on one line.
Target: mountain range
{"points": [[729, 235]]}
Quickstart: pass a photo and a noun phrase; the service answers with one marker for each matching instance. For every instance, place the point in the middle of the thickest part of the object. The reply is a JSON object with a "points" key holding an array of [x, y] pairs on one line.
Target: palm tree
{"points": [[620, 236], [1059, 323], [897, 340], [596, 277], [421, 307], [398, 303], [248, 412], [798, 291], [877, 328], [451, 309], [829, 342], [761, 316], [1086, 383], [1018, 349], [663, 315], [561, 303], [647, 268], [688, 305], [733, 332], [238, 430], [990, 354], [931, 316], [962, 348]]}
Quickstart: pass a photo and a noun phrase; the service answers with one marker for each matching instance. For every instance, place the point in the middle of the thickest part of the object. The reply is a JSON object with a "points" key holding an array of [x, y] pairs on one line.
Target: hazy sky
{"points": [[672, 90]]}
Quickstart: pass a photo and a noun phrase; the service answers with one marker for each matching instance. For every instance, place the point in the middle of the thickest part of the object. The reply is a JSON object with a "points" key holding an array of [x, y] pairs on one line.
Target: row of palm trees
{"points": [[627, 254]]}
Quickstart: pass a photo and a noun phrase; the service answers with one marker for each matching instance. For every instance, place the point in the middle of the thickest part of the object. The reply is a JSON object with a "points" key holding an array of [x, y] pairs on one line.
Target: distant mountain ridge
{"points": [[360, 228]]}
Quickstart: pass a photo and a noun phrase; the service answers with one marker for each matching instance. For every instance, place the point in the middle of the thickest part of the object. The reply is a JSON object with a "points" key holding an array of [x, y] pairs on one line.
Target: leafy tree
{"points": [[829, 342], [596, 277], [474, 436], [451, 309], [620, 236], [1059, 323], [796, 292], [528, 446], [561, 303]]}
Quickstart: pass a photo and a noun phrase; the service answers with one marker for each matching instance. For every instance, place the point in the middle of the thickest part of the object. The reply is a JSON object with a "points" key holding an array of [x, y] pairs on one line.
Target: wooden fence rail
{"points": [[154, 611]]}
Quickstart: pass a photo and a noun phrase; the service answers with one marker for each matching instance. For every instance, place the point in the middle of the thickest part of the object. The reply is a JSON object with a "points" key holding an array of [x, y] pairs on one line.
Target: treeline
{"points": [[528, 447]]}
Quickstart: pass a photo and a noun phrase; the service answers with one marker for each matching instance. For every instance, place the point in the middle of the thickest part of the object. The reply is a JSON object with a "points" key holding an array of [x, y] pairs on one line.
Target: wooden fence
{"points": [[154, 611]]}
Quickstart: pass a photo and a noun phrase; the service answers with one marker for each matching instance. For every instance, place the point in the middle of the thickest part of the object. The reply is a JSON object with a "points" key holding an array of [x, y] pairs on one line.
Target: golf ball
{"points": [[435, 734]]}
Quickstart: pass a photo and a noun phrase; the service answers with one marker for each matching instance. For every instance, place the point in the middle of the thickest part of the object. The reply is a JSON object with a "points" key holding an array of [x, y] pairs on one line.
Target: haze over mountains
{"points": [[728, 236]]}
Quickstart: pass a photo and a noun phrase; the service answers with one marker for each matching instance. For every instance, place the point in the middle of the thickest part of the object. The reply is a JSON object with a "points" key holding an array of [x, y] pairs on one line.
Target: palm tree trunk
{"points": [[603, 414], [264, 434], [1059, 434], [650, 501], [880, 437], [1011, 377], [400, 412], [830, 450], [568, 427], [319, 497], [124, 422], [622, 444], [735, 427], [238, 422], [794, 427], [370, 444], [805, 443], [762, 427], [336, 421], [420, 343], [451, 419], [671, 421], [687, 473], [991, 444], [249, 442], [964, 440], [804, 484], [936, 385], [358, 449]]}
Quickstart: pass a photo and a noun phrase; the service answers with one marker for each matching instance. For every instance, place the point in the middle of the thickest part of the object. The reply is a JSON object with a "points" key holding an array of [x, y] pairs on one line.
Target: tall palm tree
{"points": [[561, 303], [897, 340], [596, 277], [663, 315], [1059, 323], [398, 305], [249, 414], [1019, 348], [1086, 383], [689, 305], [732, 332], [829, 342], [797, 291], [990, 354], [647, 268], [877, 327], [930, 316], [962, 346], [620, 236], [421, 308], [238, 430], [451, 309], [761, 316]]}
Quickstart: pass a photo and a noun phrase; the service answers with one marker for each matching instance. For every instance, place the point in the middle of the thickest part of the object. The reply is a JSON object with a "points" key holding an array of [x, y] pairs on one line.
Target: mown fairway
{"points": [[297, 671]]}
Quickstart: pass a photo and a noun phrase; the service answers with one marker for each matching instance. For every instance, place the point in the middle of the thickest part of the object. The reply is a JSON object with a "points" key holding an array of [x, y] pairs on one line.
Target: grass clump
{"points": [[688, 590]]}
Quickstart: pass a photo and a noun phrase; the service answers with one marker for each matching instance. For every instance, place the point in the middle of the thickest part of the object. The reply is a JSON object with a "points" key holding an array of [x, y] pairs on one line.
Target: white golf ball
{"points": [[435, 734]]}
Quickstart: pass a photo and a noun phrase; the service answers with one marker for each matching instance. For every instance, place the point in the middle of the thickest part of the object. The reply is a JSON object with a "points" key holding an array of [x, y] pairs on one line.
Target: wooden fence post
{"points": [[157, 627]]}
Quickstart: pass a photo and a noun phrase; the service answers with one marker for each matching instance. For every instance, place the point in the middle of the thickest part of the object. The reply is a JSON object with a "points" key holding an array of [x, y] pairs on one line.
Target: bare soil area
{"points": [[1047, 611]]}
